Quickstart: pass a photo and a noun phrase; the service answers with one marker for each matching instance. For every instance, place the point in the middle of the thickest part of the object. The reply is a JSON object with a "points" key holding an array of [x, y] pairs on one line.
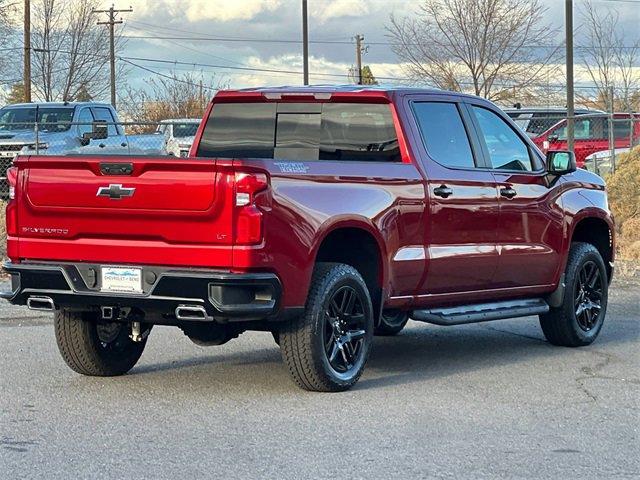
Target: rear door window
{"points": [[104, 115], [541, 122], [621, 128], [590, 128], [302, 132], [444, 134]]}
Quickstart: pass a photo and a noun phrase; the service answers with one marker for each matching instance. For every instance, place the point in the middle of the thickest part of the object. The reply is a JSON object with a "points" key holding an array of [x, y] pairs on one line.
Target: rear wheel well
{"points": [[596, 232], [358, 248]]}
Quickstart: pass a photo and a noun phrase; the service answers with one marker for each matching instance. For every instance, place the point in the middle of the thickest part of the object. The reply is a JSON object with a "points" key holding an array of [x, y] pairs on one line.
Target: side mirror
{"points": [[85, 139], [99, 131], [561, 162]]}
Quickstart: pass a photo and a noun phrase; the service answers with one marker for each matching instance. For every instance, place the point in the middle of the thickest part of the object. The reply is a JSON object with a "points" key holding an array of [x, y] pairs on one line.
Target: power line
{"points": [[327, 75], [186, 47], [316, 74], [344, 42], [170, 77]]}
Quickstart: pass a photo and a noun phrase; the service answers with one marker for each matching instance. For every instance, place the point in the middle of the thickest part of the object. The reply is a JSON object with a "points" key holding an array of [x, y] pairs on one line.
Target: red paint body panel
{"points": [[472, 246]]}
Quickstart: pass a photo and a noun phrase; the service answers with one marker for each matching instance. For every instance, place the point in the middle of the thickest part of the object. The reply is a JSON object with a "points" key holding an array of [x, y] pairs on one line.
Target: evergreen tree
{"points": [[367, 76], [16, 95], [83, 94]]}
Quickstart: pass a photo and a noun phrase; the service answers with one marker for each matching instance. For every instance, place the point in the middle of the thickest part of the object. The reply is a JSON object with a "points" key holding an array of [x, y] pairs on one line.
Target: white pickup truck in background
{"points": [[78, 128], [179, 135]]}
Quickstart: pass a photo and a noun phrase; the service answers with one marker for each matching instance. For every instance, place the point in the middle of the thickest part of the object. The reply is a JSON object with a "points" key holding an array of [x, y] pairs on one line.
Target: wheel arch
{"points": [[354, 242], [596, 227]]}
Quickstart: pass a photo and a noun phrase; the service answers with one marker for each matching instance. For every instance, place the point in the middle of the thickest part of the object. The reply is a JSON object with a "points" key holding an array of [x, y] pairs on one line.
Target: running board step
{"points": [[482, 312]]}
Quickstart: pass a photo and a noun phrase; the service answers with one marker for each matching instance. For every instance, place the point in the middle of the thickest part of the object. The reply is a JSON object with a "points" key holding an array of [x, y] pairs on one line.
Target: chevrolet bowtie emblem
{"points": [[115, 191]]}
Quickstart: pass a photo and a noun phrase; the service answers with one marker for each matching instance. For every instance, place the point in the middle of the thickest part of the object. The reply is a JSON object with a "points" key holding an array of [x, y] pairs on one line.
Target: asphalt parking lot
{"points": [[481, 401]]}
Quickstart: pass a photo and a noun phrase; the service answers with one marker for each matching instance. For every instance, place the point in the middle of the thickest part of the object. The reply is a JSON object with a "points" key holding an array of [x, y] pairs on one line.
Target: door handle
{"points": [[102, 145], [508, 192], [123, 144], [443, 191]]}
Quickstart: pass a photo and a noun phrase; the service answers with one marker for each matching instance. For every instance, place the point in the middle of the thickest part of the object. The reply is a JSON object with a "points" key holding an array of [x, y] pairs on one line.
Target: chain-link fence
{"points": [[599, 137], [168, 137]]}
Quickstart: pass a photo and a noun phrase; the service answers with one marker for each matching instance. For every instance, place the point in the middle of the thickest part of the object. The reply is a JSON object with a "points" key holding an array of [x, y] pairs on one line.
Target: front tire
{"points": [[327, 347], [580, 318], [95, 348]]}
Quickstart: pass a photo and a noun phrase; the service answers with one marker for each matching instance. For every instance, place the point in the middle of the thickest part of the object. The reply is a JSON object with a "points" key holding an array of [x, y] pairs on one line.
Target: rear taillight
{"points": [[12, 180], [11, 214], [248, 218]]}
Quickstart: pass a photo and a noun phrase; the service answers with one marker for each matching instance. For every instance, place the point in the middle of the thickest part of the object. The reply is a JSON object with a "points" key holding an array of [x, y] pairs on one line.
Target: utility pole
{"points": [[27, 51], [359, 50], [569, 57], [305, 43], [112, 22]]}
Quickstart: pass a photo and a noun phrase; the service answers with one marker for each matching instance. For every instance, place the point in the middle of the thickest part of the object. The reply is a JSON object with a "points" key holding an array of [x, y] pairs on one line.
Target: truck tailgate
{"points": [[162, 210]]}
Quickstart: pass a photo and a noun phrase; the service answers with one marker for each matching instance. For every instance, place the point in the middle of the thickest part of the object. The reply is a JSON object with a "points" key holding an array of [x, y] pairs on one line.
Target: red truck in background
{"points": [[592, 134], [323, 215]]}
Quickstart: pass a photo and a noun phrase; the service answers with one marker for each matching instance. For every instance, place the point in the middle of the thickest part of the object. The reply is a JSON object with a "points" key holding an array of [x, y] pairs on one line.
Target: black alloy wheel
{"points": [[588, 296], [344, 330]]}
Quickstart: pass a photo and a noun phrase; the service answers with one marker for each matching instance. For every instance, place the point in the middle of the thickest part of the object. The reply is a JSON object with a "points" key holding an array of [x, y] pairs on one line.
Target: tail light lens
{"points": [[12, 180], [248, 218], [12, 209]]}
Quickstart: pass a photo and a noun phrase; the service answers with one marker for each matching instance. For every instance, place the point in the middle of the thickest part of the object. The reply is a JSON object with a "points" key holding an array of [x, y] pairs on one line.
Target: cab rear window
{"points": [[301, 132]]}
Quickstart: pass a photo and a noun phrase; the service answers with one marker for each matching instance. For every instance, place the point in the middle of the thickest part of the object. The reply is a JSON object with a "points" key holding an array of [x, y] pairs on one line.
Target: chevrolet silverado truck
{"points": [[323, 215]]}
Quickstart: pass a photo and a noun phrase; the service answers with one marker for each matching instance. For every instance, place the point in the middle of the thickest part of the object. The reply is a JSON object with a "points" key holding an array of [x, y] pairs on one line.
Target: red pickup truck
{"points": [[323, 215], [592, 135]]}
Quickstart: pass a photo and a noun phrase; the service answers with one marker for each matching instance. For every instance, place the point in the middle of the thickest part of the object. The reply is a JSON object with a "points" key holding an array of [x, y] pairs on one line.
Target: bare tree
{"points": [[169, 96], [488, 47], [70, 50], [610, 56]]}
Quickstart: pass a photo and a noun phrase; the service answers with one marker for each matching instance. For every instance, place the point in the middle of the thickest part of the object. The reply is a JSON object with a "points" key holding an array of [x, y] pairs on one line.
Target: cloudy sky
{"points": [[265, 35]]}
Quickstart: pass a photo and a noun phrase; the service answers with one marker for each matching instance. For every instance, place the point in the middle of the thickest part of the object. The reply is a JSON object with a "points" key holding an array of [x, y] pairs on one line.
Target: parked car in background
{"points": [[537, 120], [600, 162], [591, 135], [66, 129], [179, 135]]}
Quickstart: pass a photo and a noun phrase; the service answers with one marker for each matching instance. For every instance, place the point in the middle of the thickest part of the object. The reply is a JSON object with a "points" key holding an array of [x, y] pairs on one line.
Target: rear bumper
{"points": [[167, 292]]}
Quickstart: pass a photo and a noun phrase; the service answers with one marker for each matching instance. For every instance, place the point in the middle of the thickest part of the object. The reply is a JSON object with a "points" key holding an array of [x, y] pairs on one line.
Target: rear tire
{"points": [[580, 318], [95, 348], [327, 347], [391, 323]]}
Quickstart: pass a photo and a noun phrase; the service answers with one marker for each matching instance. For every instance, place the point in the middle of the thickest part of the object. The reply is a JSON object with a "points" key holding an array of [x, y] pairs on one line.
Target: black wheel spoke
{"points": [[355, 321], [356, 334], [588, 296], [334, 308], [351, 302], [335, 350], [344, 329]]}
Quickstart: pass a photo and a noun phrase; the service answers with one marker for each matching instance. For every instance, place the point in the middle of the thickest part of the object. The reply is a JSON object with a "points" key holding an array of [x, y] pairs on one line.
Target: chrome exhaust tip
{"points": [[192, 313], [43, 304]]}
